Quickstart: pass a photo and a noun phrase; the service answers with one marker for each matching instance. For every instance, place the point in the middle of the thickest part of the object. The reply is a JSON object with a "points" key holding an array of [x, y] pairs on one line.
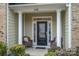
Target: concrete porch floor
{"points": [[36, 52]]}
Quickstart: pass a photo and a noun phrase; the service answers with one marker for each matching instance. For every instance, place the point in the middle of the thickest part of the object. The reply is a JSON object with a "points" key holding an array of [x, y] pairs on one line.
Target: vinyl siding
{"points": [[12, 28]]}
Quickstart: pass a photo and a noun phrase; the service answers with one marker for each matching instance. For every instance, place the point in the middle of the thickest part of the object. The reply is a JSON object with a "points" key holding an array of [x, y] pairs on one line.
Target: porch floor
{"points": [[36, 52]]}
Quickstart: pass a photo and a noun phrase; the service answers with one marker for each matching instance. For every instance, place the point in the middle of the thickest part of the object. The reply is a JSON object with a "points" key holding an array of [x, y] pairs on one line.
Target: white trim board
{"points": [[32, 8]]}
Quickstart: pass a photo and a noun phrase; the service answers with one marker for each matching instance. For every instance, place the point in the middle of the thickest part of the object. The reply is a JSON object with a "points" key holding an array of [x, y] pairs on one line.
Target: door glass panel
{"points": [[41, 33], [42, 30], [49, 32], [34, 31]]}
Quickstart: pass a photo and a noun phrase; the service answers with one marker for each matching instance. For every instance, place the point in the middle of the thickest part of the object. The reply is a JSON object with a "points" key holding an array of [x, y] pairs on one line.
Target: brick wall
{"points": [[3, 9], [75, 25]]}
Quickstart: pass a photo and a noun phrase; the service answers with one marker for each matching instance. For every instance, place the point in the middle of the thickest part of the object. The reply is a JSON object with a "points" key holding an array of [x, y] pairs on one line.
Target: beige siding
{"points": [[63, 27], [28, 23], [12, 28]]}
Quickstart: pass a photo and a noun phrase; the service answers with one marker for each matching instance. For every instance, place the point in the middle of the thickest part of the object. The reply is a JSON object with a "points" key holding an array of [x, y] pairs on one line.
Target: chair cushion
{"points": [[26, 39]]}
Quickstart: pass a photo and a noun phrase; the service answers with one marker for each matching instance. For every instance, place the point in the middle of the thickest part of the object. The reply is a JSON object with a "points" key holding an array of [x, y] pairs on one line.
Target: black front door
{"points": [[42, 33]]}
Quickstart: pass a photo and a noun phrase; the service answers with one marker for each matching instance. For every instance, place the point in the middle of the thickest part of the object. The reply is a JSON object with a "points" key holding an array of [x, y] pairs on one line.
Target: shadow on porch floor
{"points": [[36, 52]]}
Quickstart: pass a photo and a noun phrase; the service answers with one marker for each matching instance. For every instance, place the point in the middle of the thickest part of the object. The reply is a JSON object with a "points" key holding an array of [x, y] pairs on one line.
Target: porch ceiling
{"points": [[31, 8]]}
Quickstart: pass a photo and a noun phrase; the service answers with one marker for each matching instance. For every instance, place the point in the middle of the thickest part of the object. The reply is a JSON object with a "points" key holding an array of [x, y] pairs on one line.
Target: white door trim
{"points": [[35, 22]]}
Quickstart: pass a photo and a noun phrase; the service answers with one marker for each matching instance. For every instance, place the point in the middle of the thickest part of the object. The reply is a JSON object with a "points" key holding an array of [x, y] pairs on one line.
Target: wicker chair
{"points": [[53, 43], [27, 41]]}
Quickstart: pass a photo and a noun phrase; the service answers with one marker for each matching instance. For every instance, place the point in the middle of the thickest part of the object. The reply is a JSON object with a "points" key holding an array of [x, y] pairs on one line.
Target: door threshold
{"points": [[41, 46]]}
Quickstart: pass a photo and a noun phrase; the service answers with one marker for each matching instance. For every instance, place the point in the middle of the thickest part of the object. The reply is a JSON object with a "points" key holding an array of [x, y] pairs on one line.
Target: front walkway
{"points": [[36, 52]]}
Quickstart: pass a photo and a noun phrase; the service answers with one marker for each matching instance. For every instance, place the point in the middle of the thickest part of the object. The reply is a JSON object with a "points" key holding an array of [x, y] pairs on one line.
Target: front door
{"points": [[42, 33]]}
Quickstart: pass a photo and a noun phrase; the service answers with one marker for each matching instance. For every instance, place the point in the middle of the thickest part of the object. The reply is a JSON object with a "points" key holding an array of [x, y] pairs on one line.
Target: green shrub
{"points": [[3, 49], [18, 50], [51, 52], [77, 51]]}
